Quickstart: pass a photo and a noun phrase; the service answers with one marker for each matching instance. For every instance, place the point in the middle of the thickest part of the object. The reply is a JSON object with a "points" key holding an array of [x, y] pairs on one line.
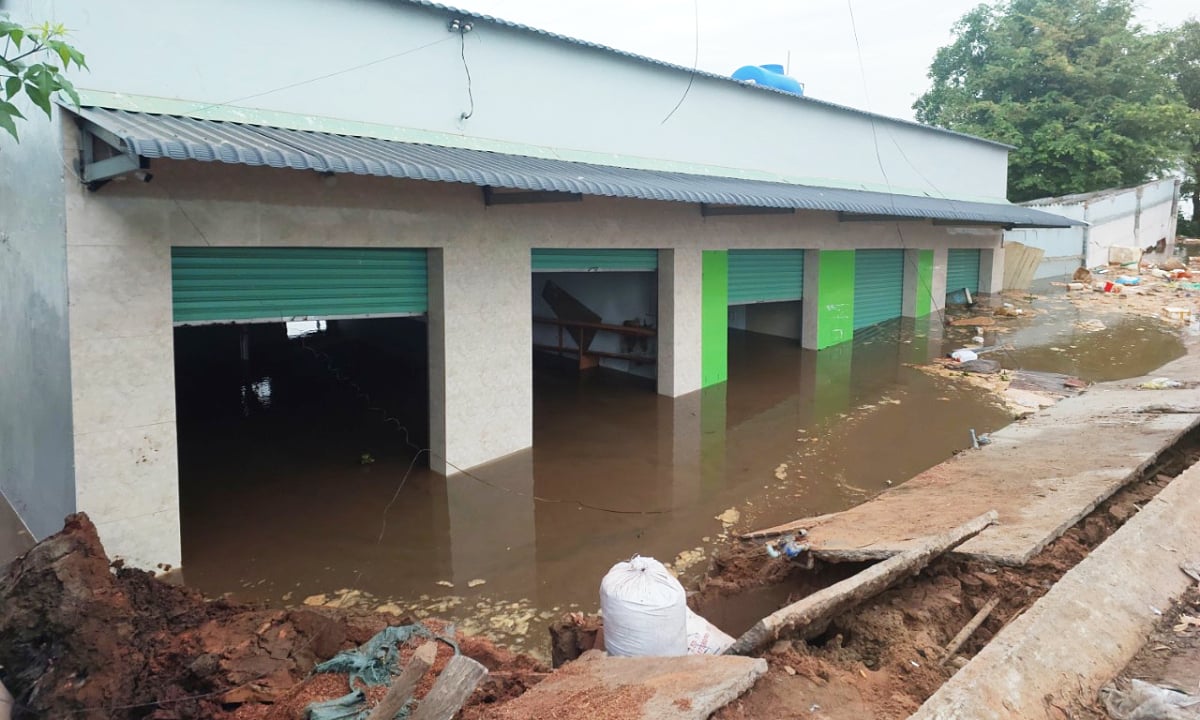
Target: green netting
{"points": [[371, 664]]}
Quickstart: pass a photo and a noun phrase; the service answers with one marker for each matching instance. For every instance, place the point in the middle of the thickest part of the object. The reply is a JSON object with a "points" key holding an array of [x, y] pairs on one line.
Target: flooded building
{"points": [[474, 196]]}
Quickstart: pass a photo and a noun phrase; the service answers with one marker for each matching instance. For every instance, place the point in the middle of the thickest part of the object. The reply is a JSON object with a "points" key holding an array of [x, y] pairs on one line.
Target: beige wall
{"points": [[119, 241]]}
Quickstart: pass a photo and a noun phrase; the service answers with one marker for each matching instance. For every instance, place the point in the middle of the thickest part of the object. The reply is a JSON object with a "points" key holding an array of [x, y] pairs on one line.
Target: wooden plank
{"points": [[635, 330], [969, 629], [451, 690], [816, 609], [402, 689]]}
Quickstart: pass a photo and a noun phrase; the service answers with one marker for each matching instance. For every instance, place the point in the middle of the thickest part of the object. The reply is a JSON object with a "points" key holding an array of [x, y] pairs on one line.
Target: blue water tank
{"points": [[770, 75]]}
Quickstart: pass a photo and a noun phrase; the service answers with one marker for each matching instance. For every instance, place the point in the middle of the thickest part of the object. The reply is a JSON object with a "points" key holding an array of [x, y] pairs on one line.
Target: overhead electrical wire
{"points": [[695, 62]]}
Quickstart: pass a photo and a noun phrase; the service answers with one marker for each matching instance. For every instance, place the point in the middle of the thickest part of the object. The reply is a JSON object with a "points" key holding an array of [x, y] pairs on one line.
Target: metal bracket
{"points": [[972, 223], [491, 197], [708, 210], [96, 173], [864, 217]]}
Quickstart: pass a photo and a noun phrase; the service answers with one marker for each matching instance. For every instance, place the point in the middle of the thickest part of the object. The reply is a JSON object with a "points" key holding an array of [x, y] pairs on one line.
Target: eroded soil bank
{"points": [[82, 638], [883, 659]]}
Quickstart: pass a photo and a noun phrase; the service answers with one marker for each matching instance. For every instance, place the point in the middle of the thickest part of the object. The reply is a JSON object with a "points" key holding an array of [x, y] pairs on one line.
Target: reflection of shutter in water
{"points": [[567, 307]]}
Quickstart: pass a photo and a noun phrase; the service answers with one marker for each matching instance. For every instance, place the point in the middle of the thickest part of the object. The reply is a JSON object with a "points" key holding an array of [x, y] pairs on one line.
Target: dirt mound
{"points": [[81, 638]]}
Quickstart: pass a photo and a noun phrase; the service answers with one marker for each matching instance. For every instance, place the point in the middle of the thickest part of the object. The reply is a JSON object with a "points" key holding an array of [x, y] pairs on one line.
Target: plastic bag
{"points": [[964, 355], [704, 638], [1145, 701], [645, 610]]}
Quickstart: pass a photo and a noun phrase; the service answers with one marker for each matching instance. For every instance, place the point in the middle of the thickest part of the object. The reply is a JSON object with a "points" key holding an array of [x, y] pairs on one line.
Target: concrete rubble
{"points": [[653, 688]]}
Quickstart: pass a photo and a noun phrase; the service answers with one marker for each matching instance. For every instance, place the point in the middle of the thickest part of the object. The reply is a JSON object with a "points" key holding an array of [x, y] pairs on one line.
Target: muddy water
{"points": [[292, 487]]}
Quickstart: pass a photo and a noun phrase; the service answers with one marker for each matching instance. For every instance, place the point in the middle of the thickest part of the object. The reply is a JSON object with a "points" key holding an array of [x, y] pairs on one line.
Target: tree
{"points": [[27, 65], [1185, 70], [1080, 90]]}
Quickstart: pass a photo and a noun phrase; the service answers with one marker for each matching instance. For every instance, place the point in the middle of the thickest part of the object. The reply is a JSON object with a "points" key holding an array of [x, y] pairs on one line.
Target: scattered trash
{"points": [[644, 609], [1147, 701], [1082, 275], [445, 583], [1107, 287], [1129, 280], [1179, 314], [1186, 624], [787, 546], [704, 638], [964, 355], [974, 440], [374, 662], [1160, 384], [978, 339], [1160, 273], [980, 366], [985, 439], [476, 582]]}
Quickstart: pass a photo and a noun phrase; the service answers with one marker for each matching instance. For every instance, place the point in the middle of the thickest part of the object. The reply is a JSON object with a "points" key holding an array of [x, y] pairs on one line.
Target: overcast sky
{"points": [[898, 39]]}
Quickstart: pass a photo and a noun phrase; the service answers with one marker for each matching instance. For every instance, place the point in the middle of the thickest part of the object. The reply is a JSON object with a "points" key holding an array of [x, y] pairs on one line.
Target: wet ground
{"points": [[288, 487]]}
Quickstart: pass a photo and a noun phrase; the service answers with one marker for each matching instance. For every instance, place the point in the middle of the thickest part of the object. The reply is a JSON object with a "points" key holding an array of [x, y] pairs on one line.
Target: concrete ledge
{"points": [[1091, 623]]}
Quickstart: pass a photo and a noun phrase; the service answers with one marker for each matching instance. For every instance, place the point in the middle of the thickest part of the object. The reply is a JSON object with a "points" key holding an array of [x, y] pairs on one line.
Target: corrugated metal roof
{"points": [[183, 138], [699, 73]]}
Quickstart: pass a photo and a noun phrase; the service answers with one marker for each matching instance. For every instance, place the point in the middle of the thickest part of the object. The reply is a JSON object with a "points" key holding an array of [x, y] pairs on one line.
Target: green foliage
{"points": [[1078, 89], [1184, 66], [32, 62]]}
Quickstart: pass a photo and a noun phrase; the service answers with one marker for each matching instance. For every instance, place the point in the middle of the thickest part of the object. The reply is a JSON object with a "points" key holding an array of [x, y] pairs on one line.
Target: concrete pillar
{"points": [[828, 308], [680, 296], [123, 379], [937, 283], [918, 282], [991, 271], [480, 357]]}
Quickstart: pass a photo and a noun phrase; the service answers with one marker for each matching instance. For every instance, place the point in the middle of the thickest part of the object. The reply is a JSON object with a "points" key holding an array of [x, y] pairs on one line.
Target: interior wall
{"points": [[617, 297]]}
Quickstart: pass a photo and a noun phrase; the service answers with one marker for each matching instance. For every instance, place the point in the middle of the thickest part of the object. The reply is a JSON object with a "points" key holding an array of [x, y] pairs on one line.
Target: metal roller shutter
{"points": [[563, 260], [765, 276], [878, 286], [962, 270], [223, 284]]}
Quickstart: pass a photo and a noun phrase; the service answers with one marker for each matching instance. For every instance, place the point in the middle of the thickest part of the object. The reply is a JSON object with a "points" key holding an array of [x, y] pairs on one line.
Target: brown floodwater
{"points": [[294, 481]]}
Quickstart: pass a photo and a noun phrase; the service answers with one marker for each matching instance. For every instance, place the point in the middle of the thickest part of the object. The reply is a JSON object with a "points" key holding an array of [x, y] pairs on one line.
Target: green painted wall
{"points": [[924, 283], [835, 298], [714, 318]]}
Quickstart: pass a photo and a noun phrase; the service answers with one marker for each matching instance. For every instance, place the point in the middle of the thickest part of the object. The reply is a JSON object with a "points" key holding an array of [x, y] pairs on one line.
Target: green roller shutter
{"points": [[223, 284], [765, 276], [962, 270], [562, 260], [878, 286]]}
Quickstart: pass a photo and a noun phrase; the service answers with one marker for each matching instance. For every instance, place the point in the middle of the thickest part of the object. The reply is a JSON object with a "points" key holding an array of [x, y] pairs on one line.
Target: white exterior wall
{"points": [[529, 90], [119, 241], [1133, 217]]}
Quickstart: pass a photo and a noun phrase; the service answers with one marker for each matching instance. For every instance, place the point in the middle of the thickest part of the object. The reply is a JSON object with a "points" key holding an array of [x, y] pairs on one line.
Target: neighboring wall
{"points": [[528, 93], [1132, 217], [36, 468]]}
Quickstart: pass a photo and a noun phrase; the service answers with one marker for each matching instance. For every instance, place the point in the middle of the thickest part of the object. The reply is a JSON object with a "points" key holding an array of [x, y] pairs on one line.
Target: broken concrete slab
{"points": [[1087, 627], [671, 688], [1042, 475]]}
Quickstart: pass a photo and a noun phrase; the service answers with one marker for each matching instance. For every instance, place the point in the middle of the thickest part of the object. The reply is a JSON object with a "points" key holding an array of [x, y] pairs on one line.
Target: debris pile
{"points": [[80, 637]]}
